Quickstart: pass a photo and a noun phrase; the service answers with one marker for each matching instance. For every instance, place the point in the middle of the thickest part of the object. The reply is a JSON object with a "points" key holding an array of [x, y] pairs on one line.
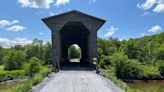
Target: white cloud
{"points": [[7, 23], [111, 31], [159, 8], [147, 13], [15, 28], [143, 34], [61, 2], [158, 5], [147, 5], [41, 33], [155, 29], [36, 3], [4, 42], [52, 14], [92, 1]]}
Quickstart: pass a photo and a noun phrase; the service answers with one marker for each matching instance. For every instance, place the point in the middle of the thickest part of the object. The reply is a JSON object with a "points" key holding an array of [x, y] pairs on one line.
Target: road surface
{"points": [[76, 81]]}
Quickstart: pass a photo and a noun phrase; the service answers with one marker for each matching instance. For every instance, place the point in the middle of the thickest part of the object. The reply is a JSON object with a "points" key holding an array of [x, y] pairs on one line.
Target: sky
{"points": [[20, 20]]}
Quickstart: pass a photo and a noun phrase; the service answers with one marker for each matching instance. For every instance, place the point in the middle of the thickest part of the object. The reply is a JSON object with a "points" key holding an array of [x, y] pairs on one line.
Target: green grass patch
{"points": [[9, 75], [27, 85], [1, 67], [111, 75]]}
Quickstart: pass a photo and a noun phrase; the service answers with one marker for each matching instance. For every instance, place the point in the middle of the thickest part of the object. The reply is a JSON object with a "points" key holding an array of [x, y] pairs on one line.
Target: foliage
{"points": [[27, 85], [126, 68], [2, 52], [151, 72], [161, 69], [8, 75], [107, 46], [134, 58], [47, 53], [39, 50], [160, 53], [14, 60], [111, 75], [74, 52], [104, 61], [33, 66]]}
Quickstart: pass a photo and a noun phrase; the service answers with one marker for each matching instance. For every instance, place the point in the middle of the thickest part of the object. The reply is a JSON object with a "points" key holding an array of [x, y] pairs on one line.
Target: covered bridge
{"points": [[73, 27]]}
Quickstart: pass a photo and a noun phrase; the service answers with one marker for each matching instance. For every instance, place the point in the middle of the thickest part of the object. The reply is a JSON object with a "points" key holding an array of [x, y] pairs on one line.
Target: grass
{"points": [[9, 75], [1, 67], [27, 85], [111, 75]]}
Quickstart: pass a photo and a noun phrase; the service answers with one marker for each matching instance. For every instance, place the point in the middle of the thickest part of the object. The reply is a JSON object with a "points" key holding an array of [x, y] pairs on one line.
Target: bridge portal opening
{"points": [[74, 32], [74, 53]]}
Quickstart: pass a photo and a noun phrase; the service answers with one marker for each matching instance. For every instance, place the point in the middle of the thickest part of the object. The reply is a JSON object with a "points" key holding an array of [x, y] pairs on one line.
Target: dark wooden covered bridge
{"points": [[73, 27]]}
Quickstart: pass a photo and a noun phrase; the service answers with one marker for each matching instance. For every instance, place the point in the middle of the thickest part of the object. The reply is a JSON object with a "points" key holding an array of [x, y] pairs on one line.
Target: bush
{"points": [[161, 69], [27, 85], [151, 72], [73, 52], [126, 68], [14, 60], [8, 75], [111, 75], [132, 70], [33, 66], [104, 61], [37, 79]]}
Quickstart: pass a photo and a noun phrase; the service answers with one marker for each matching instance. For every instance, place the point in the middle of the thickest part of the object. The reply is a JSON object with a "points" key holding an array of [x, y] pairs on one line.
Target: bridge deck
{"points": [[76, 81]]}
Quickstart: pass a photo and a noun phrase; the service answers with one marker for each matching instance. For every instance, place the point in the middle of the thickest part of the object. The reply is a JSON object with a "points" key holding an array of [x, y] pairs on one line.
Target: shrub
{"points": [[33, 66], [8, 75], [132, 70], [14, 60], [34, 80], [104, 61], [37, 79], [126, 68], [151, 72], [73, 52], [161, 69], [111, 75]]}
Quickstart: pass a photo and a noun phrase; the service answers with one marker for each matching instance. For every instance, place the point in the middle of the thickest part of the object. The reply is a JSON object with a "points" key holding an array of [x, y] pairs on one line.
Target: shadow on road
{"points": [[77, 66]]}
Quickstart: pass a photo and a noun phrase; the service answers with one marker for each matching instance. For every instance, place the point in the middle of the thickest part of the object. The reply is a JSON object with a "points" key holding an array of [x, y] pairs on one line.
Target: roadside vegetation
{"points": [[74, 53], [133, 59], [31, 62]]}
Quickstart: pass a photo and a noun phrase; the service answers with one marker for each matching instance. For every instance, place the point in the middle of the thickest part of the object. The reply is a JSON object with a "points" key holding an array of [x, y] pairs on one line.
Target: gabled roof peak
{"points": [[73, 12]]}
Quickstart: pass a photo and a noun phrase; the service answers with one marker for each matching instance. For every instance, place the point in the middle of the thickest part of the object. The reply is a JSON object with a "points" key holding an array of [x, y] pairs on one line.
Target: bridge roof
{"points": [[73, 12], [57, 22]]}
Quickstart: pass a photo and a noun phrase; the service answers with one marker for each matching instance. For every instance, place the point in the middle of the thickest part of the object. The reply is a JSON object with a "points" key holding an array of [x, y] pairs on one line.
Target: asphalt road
{"points": [[76, 81]]}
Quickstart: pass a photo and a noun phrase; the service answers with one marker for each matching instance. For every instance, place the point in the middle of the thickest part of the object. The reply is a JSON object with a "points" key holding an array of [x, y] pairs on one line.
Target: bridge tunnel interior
{"points": [[74, 32]]}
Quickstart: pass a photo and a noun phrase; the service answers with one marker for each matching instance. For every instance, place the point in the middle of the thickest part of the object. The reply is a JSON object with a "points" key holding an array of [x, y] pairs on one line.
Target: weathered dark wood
{"points": [[73, 27]]}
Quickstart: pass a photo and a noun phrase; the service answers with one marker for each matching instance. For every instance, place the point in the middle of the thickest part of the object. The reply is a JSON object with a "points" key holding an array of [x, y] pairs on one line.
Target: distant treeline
{"points": [[141, 58]]}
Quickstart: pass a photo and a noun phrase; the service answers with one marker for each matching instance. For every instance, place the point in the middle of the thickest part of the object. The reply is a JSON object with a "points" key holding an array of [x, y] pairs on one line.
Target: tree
{"points": [[47, 53], [1, 54], [14, 60], [33, 66], [74, 52], [160, 53], [161, 68], [35, 49]]}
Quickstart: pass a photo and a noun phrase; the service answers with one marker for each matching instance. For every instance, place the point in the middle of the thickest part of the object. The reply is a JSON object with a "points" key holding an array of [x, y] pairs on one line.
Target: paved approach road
{"points": [[76, 81]]}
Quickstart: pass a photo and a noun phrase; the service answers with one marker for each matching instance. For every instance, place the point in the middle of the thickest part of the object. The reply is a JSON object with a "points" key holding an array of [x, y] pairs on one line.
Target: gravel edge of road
{"points": [[43, 83], [39, 86]]}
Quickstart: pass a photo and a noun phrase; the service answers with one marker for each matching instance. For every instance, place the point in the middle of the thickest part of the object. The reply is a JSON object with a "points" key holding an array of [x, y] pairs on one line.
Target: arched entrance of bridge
{"points": [[73, 27]]}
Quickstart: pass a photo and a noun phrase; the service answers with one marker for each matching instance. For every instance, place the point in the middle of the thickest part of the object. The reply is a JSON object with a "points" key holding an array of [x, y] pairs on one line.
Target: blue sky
{"points": [[20, 20]]}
